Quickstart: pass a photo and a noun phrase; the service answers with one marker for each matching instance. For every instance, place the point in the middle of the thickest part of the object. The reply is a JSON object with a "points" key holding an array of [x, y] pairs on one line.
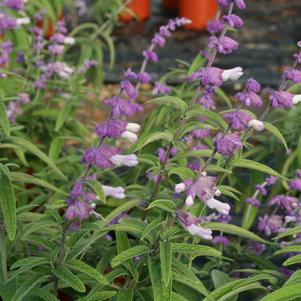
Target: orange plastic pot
{"points": [[198, 11], [49, 25], [141, 8], [170, 4]]}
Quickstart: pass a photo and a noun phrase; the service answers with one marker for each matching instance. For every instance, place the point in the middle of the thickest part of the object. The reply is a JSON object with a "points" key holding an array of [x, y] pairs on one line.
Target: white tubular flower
{"points": [[222, 208], [23, 21], [256, 124], [69, 40], [116, 192], [189, 201], [133, 127], [129, 136], [296, 99], [124, 160], [217, 192], [180, 187], [198, 230], [232, 74]]}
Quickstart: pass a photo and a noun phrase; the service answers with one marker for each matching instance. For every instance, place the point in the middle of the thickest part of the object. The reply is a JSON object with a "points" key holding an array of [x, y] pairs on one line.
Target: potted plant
{"points": [[198, 11], [138, 8]]}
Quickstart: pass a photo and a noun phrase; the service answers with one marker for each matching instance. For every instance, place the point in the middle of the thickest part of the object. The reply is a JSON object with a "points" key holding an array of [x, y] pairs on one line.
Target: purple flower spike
{"points": [[130, 75], [239, 120], [77, 189], [150, 55], [295, 184], [233, 21], [78, 209], [224, 44], [122, 106], [293, 75], [221, 240], [144, 77], [158, 40], [112, 128], [100, 157], [271, 180], [215, 26], [249, 98], [257, 248], [282, 99], [270, 224], [14, 4], [261, 189], [161, 88], [129, 88], [227, 145], [253, 201], [253, 85]]}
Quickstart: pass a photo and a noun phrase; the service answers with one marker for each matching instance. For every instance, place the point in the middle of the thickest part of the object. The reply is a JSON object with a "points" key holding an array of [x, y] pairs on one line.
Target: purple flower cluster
{"points": [[14, 4], [261, 189], [5, 49], [228, 144], [14, 107], [250, 97]]}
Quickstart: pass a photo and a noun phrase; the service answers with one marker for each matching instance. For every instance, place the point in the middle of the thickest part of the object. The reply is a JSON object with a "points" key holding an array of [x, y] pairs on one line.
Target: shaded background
{"points": [[268, 40]]}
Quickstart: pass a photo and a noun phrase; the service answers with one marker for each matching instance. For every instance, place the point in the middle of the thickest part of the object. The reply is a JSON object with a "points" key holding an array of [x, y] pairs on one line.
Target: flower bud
{"points": [[232, 74], [124, 160], [180, 187], [129, 136], [133, 127], [296, 99], [222, 208], [69, 40], [189, 201], [256, 124]]}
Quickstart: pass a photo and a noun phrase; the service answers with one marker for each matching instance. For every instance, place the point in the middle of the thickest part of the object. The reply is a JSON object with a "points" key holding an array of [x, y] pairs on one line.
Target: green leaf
{"points": [[28, 146], [122, 208], [182, 172], [274, 131], [70, 279], [125, 295], [98, 296], [288, 249], [152, 226], [219, 92], [219, 278], [27, 286], [62, 116], [166, 205], [288, 232], [288, 293], [166, 261], [196, 250], [170, 101], [191, 282], [149, 138], [292, 260], [44, 294], [86, 269], [212, 116], [240, 289], [160, 291], [26, 264], [196, 153], [28, 179], [249, 164], [4, 120], [128, 254], [97, 187], [294, 279], [8, 202], [235, 230], [176, 297]]}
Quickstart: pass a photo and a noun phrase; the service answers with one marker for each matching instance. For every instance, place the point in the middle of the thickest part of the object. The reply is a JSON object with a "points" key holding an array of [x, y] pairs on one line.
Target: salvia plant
{"points": [[181, 193]]}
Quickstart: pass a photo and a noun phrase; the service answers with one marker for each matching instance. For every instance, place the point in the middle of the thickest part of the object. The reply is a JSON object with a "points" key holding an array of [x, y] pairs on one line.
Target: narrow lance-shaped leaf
{"points": [[166, 261], [4, 120], [8, 202]]}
